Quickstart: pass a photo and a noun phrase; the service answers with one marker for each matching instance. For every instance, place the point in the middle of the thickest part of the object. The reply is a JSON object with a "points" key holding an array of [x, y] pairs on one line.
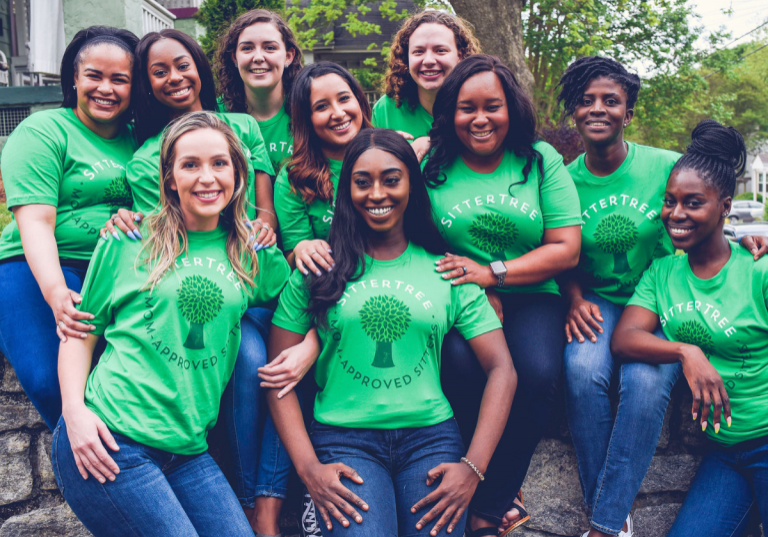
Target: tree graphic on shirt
{"points": [[385, 319], [616, 234], [695, 333], [200, 300], [118, 193], [494, 234]]}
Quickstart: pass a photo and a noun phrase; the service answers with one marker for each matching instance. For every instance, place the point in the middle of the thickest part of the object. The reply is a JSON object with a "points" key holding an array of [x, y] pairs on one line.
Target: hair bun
{"points": [[713, 140]]}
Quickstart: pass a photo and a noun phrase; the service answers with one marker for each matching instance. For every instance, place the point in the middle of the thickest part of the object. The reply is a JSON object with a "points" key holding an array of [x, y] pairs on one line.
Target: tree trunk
{"points": [[383, 356], [498, 24], [196, 337]]}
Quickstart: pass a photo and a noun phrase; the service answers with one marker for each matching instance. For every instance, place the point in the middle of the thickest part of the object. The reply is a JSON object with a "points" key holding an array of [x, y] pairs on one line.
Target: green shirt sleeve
{"points": [[473, 315], [99, 285], [144, 178], [292, 213], [559, 198], [377, 117], [271, 279], [645, 292], [32, 168], [291, 313]]}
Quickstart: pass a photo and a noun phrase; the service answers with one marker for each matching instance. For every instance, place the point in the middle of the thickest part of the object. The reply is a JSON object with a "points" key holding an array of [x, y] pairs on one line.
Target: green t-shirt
{"points": [[51, 158], [299, 221], [484, 218], [622, 232], [416, 122], [379, 364], [144, 169], [727, 318], [278, 139], [170, 352]]}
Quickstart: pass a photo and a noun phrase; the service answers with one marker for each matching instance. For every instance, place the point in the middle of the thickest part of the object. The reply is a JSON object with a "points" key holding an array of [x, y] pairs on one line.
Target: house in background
{"points": [[759, 174]]}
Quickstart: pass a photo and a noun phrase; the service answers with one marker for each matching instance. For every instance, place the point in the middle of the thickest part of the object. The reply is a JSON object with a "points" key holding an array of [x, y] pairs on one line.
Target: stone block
{"points": [[552, 490], [664, 437], [671, 473], [57, 521], [656, 520], [17, 415], [10, 382], [43, 459], [15, 469], [690, 431]]}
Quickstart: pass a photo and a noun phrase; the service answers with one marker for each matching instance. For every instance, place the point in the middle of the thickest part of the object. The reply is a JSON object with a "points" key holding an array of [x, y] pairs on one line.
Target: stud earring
{"points": [[74, 87]]}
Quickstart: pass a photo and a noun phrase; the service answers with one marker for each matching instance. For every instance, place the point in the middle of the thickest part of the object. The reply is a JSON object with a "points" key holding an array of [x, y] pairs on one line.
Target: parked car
{"points": [[745, 211], [737, 231]]}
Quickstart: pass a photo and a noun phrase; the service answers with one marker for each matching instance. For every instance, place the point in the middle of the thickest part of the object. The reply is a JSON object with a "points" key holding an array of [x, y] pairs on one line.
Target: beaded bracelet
{"points": [[478, 472]]}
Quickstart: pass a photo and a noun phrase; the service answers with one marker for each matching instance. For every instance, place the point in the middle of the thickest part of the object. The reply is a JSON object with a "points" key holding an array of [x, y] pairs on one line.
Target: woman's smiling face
{"points": [[380, 189], [173, 75], [261, 56], [602, 114], [336, 114], [481, 118], [103, 82], [432, 55]]}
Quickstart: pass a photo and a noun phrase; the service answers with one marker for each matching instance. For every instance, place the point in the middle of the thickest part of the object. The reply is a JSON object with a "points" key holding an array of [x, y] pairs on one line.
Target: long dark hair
{"points": [[520, 138], [83, 40], [231, 85], [151, 116], [349, 232], [309, 172]]}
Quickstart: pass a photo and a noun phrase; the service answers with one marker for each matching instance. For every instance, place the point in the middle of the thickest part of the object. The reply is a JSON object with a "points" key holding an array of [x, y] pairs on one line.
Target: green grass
{"points": [[5, 216]]}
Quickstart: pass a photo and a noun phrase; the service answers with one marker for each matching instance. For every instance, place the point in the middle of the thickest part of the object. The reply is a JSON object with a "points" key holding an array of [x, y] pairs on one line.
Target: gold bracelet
{"points": [[478, 472]]}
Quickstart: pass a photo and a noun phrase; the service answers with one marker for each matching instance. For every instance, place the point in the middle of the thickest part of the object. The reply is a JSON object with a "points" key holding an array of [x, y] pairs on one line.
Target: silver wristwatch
{"points": [[499, 270]]}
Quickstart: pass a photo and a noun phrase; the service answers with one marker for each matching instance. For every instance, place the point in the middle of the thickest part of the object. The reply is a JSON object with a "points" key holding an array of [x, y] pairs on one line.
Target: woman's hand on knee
{"points": [[451, 498], [125, 221], [581, 320], [332, 498], [86, 431]]}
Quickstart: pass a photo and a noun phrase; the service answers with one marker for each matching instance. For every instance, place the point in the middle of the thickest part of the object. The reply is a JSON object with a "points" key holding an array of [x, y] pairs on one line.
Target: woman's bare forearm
{"points": [[75, 357], [265, 199], [558, 253], [36, 228]]}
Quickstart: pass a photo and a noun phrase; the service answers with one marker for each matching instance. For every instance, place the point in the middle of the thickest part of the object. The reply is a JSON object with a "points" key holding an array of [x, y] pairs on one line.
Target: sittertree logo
{"points": [[118, 193], [616, 234], [494, 234], [385, 319], [200, 300], [695, 333]]}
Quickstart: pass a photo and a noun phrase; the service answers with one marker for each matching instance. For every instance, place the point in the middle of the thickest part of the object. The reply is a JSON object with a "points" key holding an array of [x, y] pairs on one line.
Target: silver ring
{"points": [[265, 225], [465, 271], [62, 324], [313, 252], [114, 217]]}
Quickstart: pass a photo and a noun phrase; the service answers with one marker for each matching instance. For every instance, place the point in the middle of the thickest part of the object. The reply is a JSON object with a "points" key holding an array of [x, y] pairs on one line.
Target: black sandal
{"points": [[524, 516]]}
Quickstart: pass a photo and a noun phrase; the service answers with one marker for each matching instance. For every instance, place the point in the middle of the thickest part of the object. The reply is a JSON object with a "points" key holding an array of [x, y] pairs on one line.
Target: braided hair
{"points": [[581, 72], [717, 154]]}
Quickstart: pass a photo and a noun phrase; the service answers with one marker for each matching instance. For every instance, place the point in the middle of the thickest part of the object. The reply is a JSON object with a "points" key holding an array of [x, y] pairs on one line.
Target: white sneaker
{"points": [[629, 533], [630, 528]]}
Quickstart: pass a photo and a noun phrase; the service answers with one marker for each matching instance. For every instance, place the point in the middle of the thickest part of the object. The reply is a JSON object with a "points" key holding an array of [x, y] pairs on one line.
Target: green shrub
{"points": [[5, 216], [748, 196]]}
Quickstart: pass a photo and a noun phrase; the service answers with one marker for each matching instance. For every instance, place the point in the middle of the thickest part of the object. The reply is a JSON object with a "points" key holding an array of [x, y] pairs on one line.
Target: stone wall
{"points": [[31, 506]]}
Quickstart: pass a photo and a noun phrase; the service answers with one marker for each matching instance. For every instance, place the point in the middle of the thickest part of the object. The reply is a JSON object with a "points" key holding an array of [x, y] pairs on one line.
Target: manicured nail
{"points": [[717, 428], [704, 426], [131, 235], [248, 223], [115, 235], [330, 269], [329, 250], [306, 273], [104, 237], [728, 421], [333, 264], [694, 416], [136, 218], [319, 273], [136, 232]]}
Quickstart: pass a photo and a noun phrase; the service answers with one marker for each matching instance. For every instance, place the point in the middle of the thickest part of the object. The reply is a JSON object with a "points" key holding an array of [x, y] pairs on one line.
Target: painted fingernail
{"points": [[728, 421], [329, 250], [103, 236], [306, 273], [319, 273], [704, 426], [136, 232], [131, 235], [694, 416], [333, 264], [115, 235], [717, 428], [248, 223], [330, 269], [137, 218]]}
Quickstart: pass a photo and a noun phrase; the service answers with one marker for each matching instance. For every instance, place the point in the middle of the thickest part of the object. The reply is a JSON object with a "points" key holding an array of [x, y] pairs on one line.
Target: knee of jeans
{"points": [[645, 385], [585, 372], [251, 355]]}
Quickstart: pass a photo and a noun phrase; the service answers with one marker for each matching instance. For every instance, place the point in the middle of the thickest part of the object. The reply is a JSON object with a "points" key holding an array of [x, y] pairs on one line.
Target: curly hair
{"points": [[309, 171], [400, 86], [231, 86], [520, 138], [581, 72]]}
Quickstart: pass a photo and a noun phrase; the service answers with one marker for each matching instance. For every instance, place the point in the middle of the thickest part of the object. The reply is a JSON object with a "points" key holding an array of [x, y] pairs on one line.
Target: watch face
{"points": [[498, 267]]}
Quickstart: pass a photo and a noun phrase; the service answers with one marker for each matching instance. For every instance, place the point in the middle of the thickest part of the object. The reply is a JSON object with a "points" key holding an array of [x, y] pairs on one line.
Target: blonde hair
{"points": [[398, 83], [167, 234]]}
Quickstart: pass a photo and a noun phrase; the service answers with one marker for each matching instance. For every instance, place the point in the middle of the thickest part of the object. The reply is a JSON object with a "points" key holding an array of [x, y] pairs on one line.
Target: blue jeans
{"points": [[393, 464], [533, 328], [260, 461], [156, 493], [727, 484], [613, 455], [28, 335]]}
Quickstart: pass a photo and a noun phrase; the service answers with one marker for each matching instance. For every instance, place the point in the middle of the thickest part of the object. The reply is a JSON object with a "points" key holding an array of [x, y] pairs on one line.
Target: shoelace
{"points": [[309, 518]]}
